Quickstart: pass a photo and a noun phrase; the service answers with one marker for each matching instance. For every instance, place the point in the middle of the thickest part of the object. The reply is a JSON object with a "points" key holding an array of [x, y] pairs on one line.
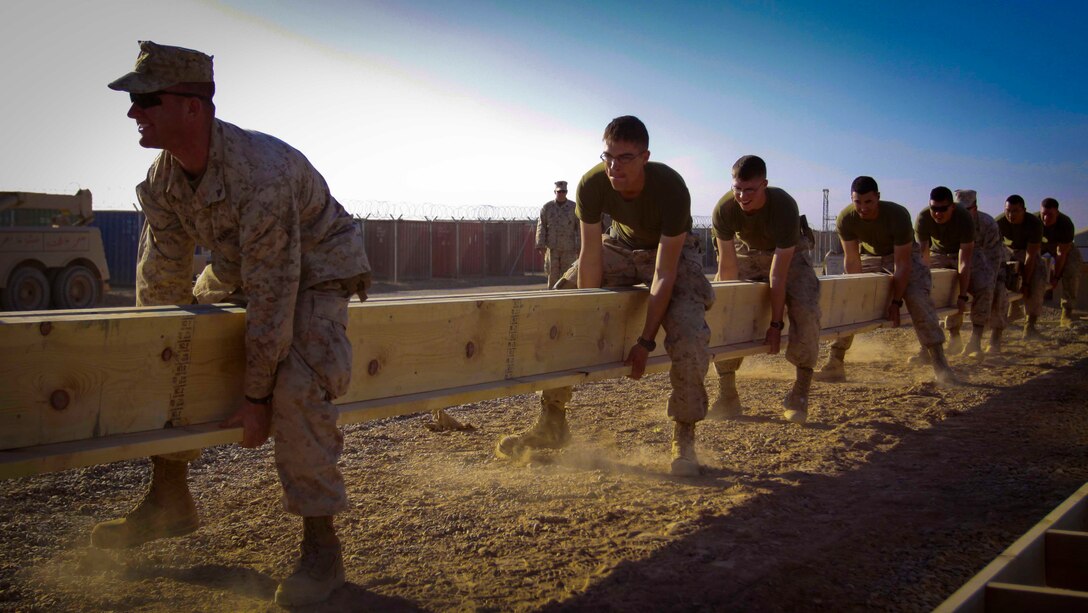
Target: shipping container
{"points": [[121, 239]]}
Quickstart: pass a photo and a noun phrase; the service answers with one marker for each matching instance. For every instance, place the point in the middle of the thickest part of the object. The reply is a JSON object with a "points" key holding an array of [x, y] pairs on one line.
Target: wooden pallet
{"points": [[1044, 570], [95, 386]]}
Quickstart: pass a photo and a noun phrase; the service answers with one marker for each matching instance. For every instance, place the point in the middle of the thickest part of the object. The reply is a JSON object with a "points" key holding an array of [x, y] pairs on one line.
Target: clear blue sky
{"points": [[486, 103]]}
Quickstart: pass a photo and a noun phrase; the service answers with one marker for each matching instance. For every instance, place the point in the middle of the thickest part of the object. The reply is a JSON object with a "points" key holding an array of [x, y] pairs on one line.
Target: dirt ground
{"points": [[894, 494]]}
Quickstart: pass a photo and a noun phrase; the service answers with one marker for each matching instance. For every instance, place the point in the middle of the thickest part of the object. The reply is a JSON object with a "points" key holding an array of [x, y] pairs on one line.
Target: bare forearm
{"points": [[660, 296]]}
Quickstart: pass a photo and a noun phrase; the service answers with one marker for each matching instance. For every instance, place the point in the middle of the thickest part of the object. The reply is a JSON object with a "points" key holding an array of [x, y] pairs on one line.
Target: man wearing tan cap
{"points": [[284, 248], [557, 234], [990, 298]]}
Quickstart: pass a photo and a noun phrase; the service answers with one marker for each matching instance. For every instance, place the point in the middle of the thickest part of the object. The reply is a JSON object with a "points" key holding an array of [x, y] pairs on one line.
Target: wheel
{"points": [[76, 287], [27, 290]]}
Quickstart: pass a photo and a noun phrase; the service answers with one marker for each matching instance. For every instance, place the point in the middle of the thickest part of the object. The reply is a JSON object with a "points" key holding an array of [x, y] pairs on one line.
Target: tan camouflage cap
{"points": [[966, 197], [160, 66], [560, 185]]}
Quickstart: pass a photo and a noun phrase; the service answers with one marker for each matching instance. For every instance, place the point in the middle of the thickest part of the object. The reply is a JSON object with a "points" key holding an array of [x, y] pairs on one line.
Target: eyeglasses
{"points": [[146, 101], [746, 191], [941, 208], [622, 160]]}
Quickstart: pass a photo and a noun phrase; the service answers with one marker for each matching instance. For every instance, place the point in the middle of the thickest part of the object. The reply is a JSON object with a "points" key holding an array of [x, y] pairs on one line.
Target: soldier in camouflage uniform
{"points": [[284, 248], [557, 234], [990, 298], [1023, 234], [946, 238], [1058, 234], [650, 243], [771, 248], [877, 237]]}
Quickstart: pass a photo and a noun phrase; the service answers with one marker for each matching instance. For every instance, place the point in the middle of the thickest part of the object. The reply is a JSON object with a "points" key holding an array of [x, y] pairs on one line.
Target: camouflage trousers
{"points": [[1070, 279], [556, 262], [1033, 304], [981, 288], [317, 369], [919, 304], [687, 337], [802, 304]]}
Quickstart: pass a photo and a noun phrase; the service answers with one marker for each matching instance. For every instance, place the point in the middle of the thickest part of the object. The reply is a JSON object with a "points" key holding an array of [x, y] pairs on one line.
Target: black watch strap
{"points": [[965, 298], [647, 345], [898, 302], [266, 400], [777, 325]]}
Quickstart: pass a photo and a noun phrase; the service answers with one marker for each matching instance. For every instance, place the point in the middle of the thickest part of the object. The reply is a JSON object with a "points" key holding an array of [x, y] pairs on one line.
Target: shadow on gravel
{"points": [[959, 492]]}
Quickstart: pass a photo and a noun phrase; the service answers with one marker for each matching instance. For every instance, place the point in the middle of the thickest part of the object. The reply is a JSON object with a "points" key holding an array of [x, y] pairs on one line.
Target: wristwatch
{"points": [[266, 400], [965, 297], [897, 302], [777, 325], [645, 344]]}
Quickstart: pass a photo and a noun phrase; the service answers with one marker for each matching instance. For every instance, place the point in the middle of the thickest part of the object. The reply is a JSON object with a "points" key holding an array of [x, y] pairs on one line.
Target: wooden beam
{"points": [[83, 381]]}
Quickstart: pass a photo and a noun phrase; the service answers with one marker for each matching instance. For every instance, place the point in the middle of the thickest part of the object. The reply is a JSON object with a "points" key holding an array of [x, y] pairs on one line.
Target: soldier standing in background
{"points": [[990, 302], [286, 250], [877, 236], [946, 238], [557, 235], [1023, 234], [1058, 234], [772, 249]]}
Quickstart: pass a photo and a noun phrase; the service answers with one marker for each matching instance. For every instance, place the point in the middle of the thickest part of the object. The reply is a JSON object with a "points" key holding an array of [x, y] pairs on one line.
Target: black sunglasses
{"points": [[560, 191], [146, 101], [940, 209]]}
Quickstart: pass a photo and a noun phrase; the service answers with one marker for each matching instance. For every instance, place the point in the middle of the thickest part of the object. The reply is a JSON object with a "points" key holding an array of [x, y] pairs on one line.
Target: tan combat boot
{"points": [[166, 510], [955, 343], [1031, 333], [1016, 310], [944, 373], [835, 369], [1067, 317], [549, 432], [922, 358], [995, 341], [973, 348], [727, 406], [796, 401], [684, 461], [320, 569]]}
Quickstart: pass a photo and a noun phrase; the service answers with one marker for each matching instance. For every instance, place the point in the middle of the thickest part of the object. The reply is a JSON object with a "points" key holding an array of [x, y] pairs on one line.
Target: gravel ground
{"points": [[894, 494]]}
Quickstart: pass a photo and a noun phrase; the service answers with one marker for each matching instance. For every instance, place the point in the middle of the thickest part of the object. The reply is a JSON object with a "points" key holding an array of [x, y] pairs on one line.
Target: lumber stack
{"points": [[94, 386]]}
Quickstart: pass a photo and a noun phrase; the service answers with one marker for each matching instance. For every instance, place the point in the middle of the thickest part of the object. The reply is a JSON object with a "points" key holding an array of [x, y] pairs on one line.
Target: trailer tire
{"points": [[76, 287], [27, 290]]}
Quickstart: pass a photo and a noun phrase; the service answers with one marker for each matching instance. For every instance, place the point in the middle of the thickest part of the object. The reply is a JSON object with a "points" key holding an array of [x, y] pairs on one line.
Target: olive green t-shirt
{"points": [[1061, 232], [945, 237], [662, 209], [881, 236], [776, 225], [1018, 236]]}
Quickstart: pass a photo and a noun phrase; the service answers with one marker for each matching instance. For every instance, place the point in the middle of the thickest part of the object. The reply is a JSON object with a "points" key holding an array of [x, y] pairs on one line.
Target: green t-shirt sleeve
{"points": [[843, 225], [1034, 229], [589, 199], [673, 195], [921, 227], [902, 231], [966, 225], [723, 227], [1066, 231], [787, 221]]}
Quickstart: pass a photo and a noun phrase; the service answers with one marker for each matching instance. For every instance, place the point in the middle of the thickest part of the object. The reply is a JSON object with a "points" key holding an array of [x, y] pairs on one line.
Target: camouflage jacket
{"points": [[558, 228], [273, 229], [988, 243]]}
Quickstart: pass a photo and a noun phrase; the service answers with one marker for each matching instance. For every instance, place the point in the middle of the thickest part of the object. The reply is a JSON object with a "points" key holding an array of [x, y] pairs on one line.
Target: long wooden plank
{"points": [[1023, 564], [80, 376]]}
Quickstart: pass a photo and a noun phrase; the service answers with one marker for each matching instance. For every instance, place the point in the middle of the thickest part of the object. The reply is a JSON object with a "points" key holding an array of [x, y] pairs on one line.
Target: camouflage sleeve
{"points": [[164, 265], [271, 269], [542, 228]]}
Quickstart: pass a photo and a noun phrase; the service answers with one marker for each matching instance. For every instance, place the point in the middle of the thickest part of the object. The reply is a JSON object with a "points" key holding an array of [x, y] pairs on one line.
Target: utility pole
{"points": [[825, 231]]}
